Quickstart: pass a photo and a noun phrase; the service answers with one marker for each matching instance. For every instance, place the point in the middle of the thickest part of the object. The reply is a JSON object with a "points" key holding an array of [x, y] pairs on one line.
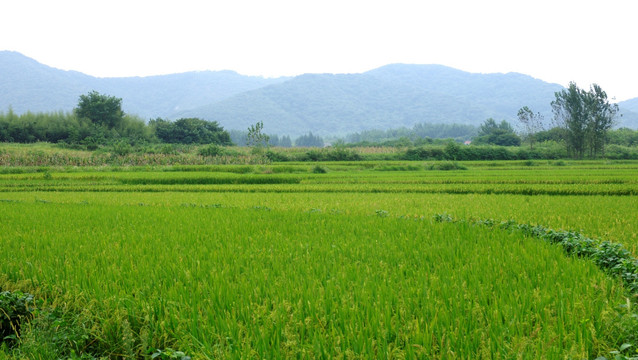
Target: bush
{"points": [[618, 152], [122, 148], [341, 154], [211, 150], [168, 149], [276, 156], [447, 166], [424, 153], [319, 170], [15, 307]]}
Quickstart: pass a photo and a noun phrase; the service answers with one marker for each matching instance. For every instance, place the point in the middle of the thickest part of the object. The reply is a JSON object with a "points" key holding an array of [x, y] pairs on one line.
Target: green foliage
{"points": [[309, 140], [419, 133], [274, 140], [447, 166], [169, 354], [586, 116], [15, 308], [624, 137], [532, 122], [59, 333], [276, 156], [68, 129], [256, 137], [211, 150], [121, 148], [497, 134], [556, 134], [100, 109], [330, 154], [190, 131], [285, 141], [319, 170], [455, 151], [618, 152], [425, 153]]}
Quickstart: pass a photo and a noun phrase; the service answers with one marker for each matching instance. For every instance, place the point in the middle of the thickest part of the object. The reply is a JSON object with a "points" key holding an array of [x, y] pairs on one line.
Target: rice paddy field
{"points": [[322, 260]]}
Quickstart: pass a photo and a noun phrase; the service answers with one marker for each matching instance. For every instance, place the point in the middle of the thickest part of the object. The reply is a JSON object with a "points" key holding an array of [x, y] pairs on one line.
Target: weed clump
{"points": [[446, 166], [15, 308], [319, 170]]}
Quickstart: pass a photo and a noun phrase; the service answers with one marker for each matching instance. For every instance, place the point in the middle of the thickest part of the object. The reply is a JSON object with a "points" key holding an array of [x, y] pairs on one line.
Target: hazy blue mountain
{"points": [[388, 97], [336, 104], [27, 85], [630, 105], [629, 111]]}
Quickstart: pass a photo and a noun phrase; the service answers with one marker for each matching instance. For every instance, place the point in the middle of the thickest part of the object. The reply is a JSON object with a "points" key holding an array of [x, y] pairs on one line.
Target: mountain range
{"points": [[326, 104]]}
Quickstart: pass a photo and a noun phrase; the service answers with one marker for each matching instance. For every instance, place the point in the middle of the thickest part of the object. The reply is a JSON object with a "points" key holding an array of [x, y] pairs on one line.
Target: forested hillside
{"points": [[389, 97]]}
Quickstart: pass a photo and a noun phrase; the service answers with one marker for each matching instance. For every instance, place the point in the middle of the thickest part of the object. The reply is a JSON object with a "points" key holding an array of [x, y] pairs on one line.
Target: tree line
{"points": [[583, 121], [98, 119]]}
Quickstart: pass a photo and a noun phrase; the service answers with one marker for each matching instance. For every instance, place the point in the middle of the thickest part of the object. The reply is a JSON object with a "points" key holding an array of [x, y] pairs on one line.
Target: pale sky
{"points": [[554, 40]]}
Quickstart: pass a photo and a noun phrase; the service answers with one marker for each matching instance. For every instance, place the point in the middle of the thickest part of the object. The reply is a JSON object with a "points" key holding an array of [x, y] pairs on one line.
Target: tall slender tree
{"points": [[601, 120], [532, 122], [586, 116]]}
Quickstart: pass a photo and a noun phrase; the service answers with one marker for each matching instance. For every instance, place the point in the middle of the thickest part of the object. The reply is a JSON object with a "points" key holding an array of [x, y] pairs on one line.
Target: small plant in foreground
{"points": [[15, 307], [169, 354]]}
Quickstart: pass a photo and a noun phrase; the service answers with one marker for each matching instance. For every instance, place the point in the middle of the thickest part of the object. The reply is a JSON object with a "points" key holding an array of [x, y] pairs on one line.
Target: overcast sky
{"points": [[557, 41]]}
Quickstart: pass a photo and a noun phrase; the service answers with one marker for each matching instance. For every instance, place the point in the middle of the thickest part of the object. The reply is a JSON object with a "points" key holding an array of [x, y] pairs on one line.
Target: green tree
{"points": [[623, 136], [586, 116], [190, 131], [256, 137], [601, 119], [556, 133], [285, 141], [101, 109], [501, 134], [532, 122], [309, 140]]}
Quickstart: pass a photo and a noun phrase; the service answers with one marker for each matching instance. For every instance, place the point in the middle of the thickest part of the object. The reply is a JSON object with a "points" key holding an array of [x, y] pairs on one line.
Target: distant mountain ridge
{"points": [[631, 105], [27, 85], [326, 104]]}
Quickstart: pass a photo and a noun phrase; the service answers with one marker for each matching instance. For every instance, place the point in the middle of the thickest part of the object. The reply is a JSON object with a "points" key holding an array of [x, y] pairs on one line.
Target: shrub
{"points": [[15, 307], [211, 150], [449, 165], [122, 148], [319, 170], [276, 156], [341, 154]]}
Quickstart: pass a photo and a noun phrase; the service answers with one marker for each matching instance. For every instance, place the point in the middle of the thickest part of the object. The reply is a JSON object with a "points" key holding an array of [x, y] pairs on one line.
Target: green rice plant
{"points": [[235, 282], [236, 261]]}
